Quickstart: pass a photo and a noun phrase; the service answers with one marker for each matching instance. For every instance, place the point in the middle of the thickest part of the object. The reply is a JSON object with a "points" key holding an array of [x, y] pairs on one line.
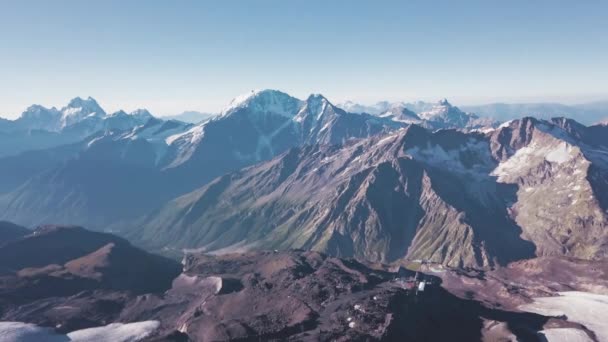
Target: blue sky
{"points": [[171, 56]]}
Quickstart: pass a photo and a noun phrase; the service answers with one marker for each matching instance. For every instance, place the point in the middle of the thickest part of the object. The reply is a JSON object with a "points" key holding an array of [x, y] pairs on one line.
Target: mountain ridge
{"points": [[329, 198]]}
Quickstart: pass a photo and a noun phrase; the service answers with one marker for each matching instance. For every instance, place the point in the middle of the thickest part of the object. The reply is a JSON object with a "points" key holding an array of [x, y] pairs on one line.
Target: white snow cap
{"points": [[264, 101]]}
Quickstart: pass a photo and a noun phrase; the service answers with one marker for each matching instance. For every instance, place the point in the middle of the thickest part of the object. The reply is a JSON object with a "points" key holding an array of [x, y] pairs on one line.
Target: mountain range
{"points": [[41, 128], [296, 219], [587, 113], [172, 158], [529, 187], [273, 171]]}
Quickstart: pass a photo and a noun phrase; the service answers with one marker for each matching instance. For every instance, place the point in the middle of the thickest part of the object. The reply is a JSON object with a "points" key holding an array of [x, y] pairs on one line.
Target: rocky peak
{"points": [[573, 128], [444, 102], [83, 107], [119, 113], [444, 115], [399, 112]]}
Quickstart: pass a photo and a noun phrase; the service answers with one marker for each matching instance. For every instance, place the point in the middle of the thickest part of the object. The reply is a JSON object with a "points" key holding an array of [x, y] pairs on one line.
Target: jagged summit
{"points": [[84, 113], [39, 112], [118, 113], [316, 98], [89, 102], [400, 113], [79, 106], [444, 102], [315, 107], [318, 102], [444, 115]]}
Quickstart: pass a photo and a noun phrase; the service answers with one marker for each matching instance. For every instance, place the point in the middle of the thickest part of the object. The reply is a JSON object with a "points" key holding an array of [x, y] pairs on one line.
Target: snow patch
{"points": [[26, 332], [531, 156], [453, 158], [326, 126], [505, 124], [94, 140], [565, 335], [386, 140], [194, 135], [560, 154], [585, 308], [116, 332]]}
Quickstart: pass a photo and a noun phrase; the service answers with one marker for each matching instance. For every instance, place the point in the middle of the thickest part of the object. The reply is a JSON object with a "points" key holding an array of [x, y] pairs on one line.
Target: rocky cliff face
{"points": [[560, 170]]}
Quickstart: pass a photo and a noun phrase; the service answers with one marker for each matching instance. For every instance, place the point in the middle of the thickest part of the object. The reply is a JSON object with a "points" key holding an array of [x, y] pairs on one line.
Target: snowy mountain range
{"points": [[287, 148], [39, 127], [500, 212], [383, 106], [168, 157], [441, 114], [587, 113], [528, 188]]}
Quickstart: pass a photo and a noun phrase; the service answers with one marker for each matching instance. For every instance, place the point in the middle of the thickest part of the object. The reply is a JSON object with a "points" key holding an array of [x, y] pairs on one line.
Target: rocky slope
{"points": [[10, 232], [72, 259], [271, 296], [462, 199], [90, 181], [560, 169], [259, 126], [565, 288]]}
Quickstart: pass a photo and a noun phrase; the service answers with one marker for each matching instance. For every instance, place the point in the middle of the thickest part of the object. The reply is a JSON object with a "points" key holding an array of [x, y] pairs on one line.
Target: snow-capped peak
{"points": [[264, 101], [138, 113], [80, 105], [443, 114], [39, 112], [78, 109], [83, 111], [400, 113], [444, 102], [317, 100], [442, 110], [316, 105]]}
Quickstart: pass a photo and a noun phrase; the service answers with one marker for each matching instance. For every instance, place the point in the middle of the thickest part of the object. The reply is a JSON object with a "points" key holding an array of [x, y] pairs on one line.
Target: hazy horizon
{"points": [[197, 55], [549, 100]]}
